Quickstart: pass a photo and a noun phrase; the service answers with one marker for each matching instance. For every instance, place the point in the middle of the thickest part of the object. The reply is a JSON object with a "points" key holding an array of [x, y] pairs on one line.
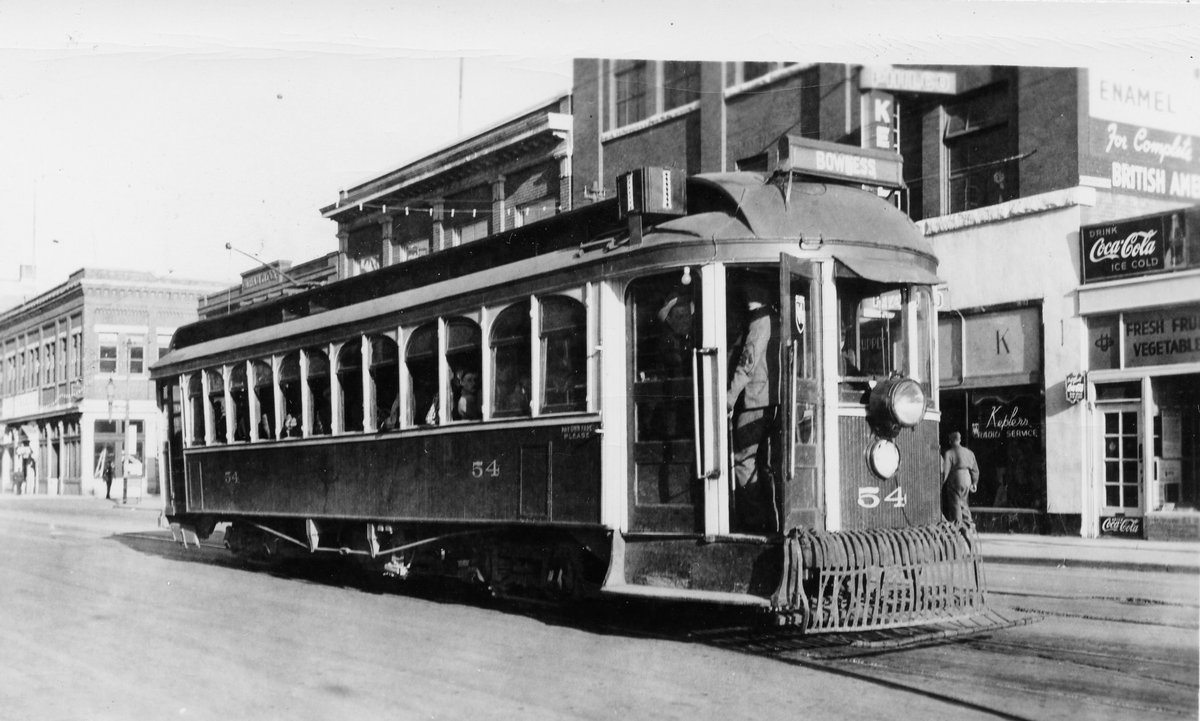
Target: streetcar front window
{"points": [[880, 325]]}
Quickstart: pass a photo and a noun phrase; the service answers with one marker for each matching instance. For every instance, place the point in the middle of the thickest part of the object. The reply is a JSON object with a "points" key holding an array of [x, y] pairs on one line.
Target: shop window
{"points": [[239, 396], [464, 359], [290, 389], [564, 355], [264, 392], [630, 86], [196, 410], [108, 352], [681, 83], [385, 381], [420, 359], [318, 386], [980, 145], [216, 403], [510, 347], [349, 376]]}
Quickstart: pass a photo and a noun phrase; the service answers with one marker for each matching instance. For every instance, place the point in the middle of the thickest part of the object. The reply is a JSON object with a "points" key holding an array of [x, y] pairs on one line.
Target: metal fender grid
{"points": [[887, 578]]}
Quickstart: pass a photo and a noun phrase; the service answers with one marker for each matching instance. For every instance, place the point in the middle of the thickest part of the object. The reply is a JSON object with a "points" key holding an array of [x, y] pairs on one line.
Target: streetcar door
{"points": [[665, 494], [800, 494]]}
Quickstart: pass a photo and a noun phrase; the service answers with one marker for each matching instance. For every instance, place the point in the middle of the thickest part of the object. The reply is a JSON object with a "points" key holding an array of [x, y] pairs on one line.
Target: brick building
{"points": [[514, 173], [74, 377]]}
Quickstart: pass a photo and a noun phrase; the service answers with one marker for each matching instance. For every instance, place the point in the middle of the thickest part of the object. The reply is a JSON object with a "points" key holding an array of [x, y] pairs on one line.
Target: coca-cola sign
{"points": [[1124, 526], [1130, 247]]}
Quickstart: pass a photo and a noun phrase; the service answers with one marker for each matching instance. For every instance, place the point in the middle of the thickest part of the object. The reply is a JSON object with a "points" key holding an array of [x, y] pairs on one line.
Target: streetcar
{"points": [[549, 412]]}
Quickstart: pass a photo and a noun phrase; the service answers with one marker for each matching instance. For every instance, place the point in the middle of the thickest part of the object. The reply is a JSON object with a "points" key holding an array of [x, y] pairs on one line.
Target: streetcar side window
{"points": [[240, 400], [420, 358], [216, 403], [318, 388], [289, 387], [196, 409], [564, 354], [510, 342], [264, 391], [464, 357], [350, 387], [385, 382]]}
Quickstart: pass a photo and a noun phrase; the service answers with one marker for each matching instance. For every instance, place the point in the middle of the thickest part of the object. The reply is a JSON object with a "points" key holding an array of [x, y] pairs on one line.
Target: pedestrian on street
{"points": [[28, 471], [108, 478], [960, 477]]}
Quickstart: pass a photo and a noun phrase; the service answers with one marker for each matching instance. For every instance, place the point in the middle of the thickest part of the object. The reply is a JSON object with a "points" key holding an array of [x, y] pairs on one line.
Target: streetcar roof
{"points": [[867, 235]]}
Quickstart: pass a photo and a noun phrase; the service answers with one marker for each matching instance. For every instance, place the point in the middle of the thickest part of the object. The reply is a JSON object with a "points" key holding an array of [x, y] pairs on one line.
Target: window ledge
{"points": [[649, 122]]}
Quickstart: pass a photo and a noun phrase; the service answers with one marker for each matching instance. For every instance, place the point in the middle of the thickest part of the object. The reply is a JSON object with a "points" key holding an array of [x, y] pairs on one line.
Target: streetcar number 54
{"points": [[868, 497], [478, 470]]}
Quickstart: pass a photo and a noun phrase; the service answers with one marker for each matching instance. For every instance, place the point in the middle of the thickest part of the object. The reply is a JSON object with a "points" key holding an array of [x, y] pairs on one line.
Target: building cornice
{"points": [[1011, 210]]}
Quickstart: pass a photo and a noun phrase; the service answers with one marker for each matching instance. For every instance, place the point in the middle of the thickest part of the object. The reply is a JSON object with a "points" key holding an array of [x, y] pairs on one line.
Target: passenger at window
{"points": [[392, 420], [264, 428], [291, 426], [467, 406], [511, 392]]}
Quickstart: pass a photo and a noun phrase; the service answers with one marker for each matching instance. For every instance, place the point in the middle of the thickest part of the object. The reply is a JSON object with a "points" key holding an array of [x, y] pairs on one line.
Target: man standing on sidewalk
{"points": [[960, 476]]}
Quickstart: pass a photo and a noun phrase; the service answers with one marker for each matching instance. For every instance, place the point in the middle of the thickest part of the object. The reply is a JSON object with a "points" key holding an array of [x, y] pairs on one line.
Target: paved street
{"points": [[101, 617]]}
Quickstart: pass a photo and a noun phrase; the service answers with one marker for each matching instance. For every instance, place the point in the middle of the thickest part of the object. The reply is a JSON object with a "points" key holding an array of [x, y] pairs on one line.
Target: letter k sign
{"points": [[1002, 342], [883, 110]]}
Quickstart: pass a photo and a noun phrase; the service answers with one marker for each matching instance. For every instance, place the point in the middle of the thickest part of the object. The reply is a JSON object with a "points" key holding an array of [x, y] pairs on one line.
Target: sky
{"points": [[147, 134]]}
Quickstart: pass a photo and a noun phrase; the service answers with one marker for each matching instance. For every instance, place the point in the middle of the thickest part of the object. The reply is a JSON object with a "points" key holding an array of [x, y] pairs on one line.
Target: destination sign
{"points": [[907, 80], [868, 166]]}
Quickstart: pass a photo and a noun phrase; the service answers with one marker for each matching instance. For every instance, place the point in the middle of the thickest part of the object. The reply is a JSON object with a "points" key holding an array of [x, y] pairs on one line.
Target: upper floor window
{"points": [[137, 355], [980, 150], [630, 84], [108, 352], [681, 83], [469, 232]]}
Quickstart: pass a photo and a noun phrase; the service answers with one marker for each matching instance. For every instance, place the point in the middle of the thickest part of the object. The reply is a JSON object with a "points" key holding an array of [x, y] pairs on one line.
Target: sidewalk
{"points": [[1075, 552]]}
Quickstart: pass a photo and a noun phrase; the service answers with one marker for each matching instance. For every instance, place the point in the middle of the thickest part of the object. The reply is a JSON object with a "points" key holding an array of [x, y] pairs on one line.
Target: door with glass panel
{"points": [[1121, 460]]}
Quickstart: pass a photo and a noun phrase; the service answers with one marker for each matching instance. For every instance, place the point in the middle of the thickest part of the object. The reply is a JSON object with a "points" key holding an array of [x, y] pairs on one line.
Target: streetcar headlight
{"points": [[884, 458], [897, 403]]}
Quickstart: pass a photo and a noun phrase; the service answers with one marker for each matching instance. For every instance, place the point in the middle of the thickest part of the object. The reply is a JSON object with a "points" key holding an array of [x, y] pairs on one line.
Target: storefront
{"points": [[992, 392], [1142, 310]]}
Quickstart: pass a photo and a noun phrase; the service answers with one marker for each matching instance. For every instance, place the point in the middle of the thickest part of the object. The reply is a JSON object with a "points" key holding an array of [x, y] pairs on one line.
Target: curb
{"points": [[1092, 563]]}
